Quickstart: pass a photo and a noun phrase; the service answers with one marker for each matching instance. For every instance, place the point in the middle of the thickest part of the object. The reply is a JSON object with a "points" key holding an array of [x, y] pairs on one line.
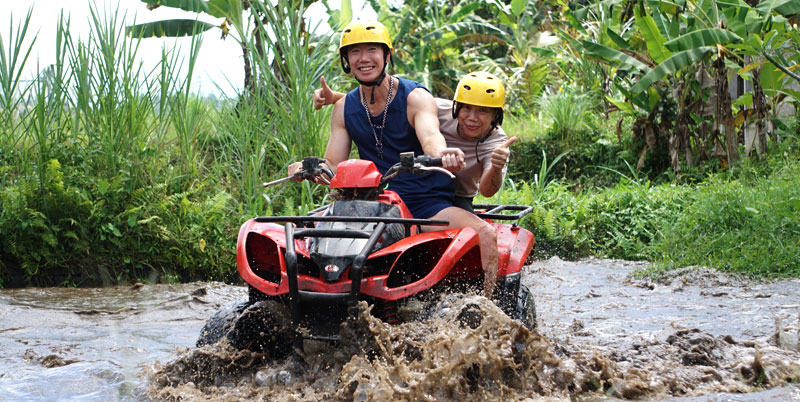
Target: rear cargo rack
{"points": [[493, 211]]}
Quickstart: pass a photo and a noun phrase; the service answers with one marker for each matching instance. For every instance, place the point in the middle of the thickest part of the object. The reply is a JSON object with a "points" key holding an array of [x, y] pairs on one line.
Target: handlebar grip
{"points": [[426, 160]]}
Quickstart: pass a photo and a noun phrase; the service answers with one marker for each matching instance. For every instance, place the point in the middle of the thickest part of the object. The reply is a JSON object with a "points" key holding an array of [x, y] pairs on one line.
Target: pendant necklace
{"points": [[378, 139]]}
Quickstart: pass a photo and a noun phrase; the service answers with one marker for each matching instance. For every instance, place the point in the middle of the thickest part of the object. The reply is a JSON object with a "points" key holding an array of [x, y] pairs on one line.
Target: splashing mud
{"points": [[471, 351], [444, 358]]}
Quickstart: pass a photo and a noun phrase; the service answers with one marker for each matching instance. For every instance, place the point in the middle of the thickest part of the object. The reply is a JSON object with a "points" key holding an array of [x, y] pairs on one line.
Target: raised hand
{"points": [[323, 96], [500, 154]]}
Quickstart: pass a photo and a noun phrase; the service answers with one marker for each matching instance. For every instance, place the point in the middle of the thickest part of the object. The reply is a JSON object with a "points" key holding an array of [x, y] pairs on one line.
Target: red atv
{"points": [[306, 274]]}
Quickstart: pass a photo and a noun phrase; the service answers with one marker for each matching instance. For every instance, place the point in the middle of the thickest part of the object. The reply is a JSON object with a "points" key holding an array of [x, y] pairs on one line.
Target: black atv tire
{"points": [[264, 326], [218, 325], [525, 310], [516, 300]]}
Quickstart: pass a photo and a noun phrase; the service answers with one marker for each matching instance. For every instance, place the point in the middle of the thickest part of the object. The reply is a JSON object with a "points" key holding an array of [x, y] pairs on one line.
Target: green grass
{"points": [[745, 220], [525, 127], [751, 227]]}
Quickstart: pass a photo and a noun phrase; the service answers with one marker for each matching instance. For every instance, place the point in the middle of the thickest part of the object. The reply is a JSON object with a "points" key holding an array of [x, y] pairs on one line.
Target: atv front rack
{"points": [[305, 221], [305, 229]]}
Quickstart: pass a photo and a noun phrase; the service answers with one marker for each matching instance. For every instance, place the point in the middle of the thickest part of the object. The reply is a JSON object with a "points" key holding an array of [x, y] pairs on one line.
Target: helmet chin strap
{"points": [[373, 84]]}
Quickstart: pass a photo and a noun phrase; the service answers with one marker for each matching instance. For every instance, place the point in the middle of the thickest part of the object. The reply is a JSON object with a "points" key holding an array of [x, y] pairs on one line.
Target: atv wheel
{"points": [[264, 327], [526, 308], [219, 324]]}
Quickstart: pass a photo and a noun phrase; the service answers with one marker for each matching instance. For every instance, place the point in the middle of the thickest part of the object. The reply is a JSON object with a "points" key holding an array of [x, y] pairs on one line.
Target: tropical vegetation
{"points": [[650, 130]]}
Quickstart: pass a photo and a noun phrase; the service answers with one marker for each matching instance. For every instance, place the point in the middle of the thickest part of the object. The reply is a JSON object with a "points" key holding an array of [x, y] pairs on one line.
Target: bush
{"points": [[42, 226], [62, 228], [624, 221], [596, 164]]}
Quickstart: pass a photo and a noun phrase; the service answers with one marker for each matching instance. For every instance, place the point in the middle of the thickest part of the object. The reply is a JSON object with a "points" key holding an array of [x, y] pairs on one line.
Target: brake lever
{"points": [[323, 180], [281, 180], [435, 169]]}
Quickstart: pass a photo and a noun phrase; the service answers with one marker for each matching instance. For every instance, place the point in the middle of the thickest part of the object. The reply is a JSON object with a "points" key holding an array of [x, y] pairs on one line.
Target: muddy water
{"points": [[700, 336]]}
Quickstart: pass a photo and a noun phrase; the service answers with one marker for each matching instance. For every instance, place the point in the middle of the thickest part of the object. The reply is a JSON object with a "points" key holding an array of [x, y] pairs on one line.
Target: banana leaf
{"points": [[168, 28], [671, 66], [701, 38], [623, 106], [581, 13], [193, 6], [463, 12], [606, 53], [785, 8], [517, 7], [345, 14], [230, 9], [652, 36], [618, 40]]}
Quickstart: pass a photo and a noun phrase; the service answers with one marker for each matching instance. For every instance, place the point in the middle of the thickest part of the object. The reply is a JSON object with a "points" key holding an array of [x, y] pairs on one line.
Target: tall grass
{"points": [[114, 171], [92, 191], [277, 125], [14, 54], [569, 113]]}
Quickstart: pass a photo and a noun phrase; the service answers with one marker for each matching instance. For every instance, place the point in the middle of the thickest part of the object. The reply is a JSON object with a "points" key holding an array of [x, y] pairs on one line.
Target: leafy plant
{"points": [[656, 49], [541, 179], [569, 114]]}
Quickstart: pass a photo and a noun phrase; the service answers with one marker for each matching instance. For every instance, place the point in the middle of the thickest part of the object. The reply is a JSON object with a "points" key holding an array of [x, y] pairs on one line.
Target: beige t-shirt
{"points": [[467, 179]]}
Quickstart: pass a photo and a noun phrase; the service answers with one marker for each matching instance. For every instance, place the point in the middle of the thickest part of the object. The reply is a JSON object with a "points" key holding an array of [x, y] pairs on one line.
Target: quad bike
{"points": [[306, 275]]}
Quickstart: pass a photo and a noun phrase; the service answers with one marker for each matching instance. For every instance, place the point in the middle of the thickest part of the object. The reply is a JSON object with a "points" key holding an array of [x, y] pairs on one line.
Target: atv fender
{"points": [[514, 245]]}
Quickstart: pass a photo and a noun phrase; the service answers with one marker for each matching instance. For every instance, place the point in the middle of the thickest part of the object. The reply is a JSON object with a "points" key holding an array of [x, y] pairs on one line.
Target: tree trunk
{"points": [[724, 117], [248, 71], [760, 106]]}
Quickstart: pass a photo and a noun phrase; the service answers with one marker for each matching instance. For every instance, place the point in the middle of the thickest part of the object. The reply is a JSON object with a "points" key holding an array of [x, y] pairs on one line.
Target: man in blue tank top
{"points": [[387, 115]]}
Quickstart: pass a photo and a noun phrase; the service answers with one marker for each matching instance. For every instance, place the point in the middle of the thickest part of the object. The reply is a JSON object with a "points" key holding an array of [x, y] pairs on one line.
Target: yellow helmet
{"points": [[481, 89], [366, 31]]}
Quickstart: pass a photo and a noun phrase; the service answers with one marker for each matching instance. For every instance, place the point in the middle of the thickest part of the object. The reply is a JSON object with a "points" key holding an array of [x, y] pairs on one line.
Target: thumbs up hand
{"points": [[500, 154], [323, 96]]}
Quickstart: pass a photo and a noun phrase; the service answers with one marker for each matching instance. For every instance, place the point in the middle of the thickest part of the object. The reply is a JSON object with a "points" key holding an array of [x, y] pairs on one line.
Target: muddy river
{"points": [[601, 336]]}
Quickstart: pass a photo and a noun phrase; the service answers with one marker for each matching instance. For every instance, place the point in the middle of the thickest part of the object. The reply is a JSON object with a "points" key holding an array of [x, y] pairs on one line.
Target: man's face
{"points": [[475, 121], [366, 60]]}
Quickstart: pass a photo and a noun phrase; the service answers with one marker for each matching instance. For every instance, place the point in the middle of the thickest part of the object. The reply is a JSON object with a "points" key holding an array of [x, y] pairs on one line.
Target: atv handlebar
{"points": [[311, 170], [415, 164], [425, 160]]}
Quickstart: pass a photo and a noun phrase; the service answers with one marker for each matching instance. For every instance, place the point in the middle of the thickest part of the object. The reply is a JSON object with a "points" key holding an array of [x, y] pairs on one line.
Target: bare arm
{"points": [[338, 148], [422, 113]]}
